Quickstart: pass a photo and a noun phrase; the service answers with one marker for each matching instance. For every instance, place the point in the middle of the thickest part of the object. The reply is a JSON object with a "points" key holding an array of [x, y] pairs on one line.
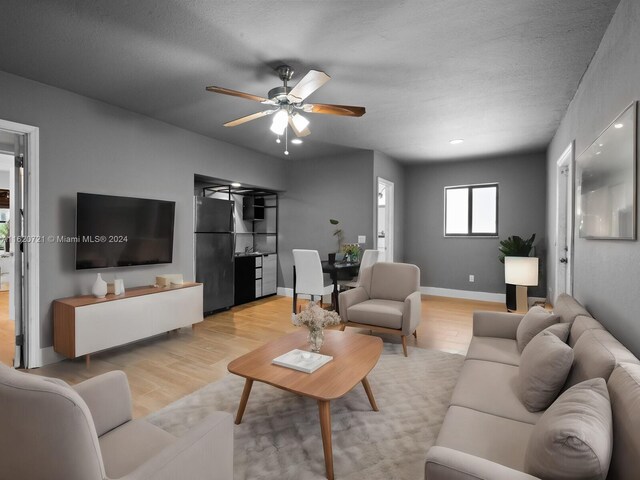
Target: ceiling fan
{"points": [[289, 102]]}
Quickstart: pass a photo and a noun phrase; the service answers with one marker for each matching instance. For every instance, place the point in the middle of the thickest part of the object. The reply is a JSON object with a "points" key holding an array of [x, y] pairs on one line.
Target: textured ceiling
{"points": [[498, 73]]}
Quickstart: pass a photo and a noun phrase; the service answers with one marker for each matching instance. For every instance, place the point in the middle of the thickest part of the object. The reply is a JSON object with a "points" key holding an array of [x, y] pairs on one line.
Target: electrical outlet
{"points": [[362, 239], [472, 278]]}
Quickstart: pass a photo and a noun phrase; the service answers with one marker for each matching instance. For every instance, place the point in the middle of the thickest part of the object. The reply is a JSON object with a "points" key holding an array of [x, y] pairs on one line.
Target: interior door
{"points": [[16, 299], [564, 224]]}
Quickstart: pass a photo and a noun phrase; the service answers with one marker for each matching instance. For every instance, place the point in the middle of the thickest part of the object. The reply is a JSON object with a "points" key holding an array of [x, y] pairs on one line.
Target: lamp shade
{"points": [[521, 271]]}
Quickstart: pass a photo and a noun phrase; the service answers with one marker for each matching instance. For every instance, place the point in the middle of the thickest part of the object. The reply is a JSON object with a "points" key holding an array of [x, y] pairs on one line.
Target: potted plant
{"points": [[516, 246], [339, 236]]}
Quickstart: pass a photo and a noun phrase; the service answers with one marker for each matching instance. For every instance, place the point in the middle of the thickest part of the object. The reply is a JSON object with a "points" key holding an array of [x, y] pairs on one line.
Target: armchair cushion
{"points": [[381, 313], [108, 398], [127, 447], [393, 281], [490, 349]]}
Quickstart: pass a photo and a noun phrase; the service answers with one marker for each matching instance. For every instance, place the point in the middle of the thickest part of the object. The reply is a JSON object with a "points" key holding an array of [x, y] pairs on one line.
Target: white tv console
{"points": [[84, 325]]}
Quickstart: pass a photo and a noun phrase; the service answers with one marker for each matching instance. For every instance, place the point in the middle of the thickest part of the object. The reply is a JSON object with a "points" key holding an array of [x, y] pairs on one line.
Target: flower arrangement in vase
{"points": [[352, 251], [315, 319]]}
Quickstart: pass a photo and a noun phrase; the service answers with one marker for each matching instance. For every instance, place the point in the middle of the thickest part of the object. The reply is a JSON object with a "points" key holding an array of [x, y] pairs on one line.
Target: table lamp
{"points": [[519, 273]]}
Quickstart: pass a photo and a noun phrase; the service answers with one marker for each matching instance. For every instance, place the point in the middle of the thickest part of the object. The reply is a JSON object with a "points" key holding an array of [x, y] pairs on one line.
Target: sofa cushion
{"points": [[130, 445], [383, 313], [491, 387], [574, 437], [560, 330], [491, 349], [544, 367], [624, 390], [568, 308], [534, 321], [494, 438], [596, 354], [581, 324]]}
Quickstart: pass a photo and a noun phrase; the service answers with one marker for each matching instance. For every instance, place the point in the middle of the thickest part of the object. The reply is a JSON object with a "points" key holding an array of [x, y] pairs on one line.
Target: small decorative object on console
{"points": [[315, 319], [99, 289], [116, 288], [169, 279]]}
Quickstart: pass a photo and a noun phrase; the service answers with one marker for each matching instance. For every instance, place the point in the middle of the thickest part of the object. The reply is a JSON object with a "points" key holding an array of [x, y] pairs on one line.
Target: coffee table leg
{"points": [[243, 400], [325, 428], [367, 388]]}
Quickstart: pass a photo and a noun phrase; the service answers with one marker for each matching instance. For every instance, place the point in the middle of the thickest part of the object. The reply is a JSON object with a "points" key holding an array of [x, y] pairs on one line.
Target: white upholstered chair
{"points": [[369, 257], [308, 279], [387, 300], [51, 431]]}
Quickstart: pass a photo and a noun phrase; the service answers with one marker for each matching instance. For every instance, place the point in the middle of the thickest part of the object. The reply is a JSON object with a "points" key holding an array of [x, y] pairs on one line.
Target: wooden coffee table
{"points": [[354, 356]]}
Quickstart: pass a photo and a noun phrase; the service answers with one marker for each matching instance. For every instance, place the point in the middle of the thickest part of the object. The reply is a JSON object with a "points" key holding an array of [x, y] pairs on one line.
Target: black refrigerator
{"points": [[214, 224]]}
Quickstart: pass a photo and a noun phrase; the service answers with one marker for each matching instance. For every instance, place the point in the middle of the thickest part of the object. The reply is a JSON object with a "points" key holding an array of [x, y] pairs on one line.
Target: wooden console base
{"points": [[86, 324]]}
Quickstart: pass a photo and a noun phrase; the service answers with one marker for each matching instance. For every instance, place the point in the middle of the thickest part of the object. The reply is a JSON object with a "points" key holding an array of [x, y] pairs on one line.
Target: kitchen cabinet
{"points": [[255, 277]]}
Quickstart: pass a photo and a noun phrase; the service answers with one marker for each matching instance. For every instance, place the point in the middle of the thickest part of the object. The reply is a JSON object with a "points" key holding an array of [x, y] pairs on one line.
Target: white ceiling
{"points": [[498, 73]]}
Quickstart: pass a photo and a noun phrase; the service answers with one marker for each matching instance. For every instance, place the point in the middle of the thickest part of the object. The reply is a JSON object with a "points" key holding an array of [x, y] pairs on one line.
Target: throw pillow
{"points": [[574, 437], [534, 321], [560, 330], [544, 366]]}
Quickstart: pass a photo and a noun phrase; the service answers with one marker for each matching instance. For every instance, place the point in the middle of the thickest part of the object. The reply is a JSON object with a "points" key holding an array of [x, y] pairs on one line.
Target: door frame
{"points": [[32, 354], [565, 189], [390, 217]]}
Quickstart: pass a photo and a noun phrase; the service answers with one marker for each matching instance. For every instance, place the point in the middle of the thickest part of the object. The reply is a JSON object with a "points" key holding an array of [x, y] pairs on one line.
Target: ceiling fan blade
{"points": [[309, 84], [235, 93], [299, 133], [248, 118], [324, 108]]}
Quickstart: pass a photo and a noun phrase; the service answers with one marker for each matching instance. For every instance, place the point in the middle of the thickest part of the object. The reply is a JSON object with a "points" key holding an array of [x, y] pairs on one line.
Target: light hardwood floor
{"points": [[7, 330], [167, 367]]}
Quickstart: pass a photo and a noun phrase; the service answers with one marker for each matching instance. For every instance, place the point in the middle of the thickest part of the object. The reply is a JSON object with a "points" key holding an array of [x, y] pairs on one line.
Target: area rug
{"points": [[279, 437]]}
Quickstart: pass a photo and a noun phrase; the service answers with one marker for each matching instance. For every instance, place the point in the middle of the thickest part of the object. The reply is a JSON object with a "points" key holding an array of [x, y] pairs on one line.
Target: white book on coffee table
{"points": [[307, 362]]}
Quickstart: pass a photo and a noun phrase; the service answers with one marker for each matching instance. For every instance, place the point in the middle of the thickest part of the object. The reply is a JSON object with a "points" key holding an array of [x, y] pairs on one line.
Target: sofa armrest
{"points": [[349, 298], [448, 464], [204, 452], [108, 398], [496, 324], [412, 313]]}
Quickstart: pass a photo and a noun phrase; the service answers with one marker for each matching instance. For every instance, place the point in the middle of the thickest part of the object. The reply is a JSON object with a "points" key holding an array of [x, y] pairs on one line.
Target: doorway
{"points": [[385, 220], [564, 223], [9, 212]]}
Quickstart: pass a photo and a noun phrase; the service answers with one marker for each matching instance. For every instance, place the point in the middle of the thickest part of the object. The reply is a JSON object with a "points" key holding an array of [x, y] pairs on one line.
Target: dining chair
{"points": [[369, 257], [308, 276]]}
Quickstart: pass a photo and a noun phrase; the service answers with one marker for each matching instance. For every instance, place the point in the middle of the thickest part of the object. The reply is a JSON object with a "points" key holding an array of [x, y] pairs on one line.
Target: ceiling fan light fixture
{"points": [[300, 122], [280, 120]]}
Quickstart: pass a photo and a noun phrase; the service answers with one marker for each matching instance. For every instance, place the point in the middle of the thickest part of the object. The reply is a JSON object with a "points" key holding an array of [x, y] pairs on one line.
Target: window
{"points": [[471, 210]]}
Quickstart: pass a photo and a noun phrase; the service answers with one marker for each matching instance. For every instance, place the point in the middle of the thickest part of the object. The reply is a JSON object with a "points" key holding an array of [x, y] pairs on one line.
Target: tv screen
{"points": [[122, 231]]}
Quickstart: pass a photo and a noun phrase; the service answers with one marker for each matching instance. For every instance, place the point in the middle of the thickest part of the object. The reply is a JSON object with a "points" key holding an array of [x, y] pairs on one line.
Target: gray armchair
{"points": [[387, 300], [56, 432]]}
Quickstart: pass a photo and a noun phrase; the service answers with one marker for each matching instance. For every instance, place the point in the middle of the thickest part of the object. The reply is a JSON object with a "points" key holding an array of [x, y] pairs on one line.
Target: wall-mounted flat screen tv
{"points": [[123, 231]]}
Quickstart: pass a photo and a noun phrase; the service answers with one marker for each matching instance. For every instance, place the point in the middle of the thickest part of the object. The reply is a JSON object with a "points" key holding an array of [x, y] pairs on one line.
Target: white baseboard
{"points": [[46, 357], [466, 294]]}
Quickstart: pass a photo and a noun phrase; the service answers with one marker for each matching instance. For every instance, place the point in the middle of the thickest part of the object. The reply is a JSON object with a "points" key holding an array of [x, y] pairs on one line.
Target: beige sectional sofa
{"points": [[486, 430]]}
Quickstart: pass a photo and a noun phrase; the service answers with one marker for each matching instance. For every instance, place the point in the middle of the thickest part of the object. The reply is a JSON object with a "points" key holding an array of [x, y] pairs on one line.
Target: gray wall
{"points": [[448, 262], [390, 169], [89, 146], [606, 273], [337, 187]]}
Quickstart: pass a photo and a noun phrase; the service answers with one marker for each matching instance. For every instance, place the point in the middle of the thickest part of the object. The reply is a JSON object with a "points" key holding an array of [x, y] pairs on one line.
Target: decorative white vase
{"points": [[99, 288]]}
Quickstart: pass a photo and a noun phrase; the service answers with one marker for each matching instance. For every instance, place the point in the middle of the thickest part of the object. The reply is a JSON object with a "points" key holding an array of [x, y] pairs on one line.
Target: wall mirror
{"points": [[606, 182]]}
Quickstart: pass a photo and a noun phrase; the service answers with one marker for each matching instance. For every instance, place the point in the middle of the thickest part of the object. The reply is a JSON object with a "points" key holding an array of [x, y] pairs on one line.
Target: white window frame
{"points": [[470, 234]]}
